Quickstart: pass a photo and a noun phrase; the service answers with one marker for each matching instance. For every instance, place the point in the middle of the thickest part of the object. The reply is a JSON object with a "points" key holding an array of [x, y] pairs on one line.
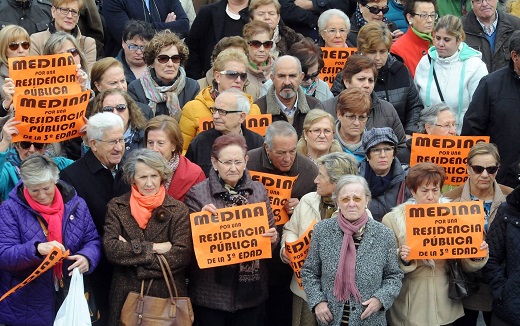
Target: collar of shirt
{"points": [[288, 111], [114, 171], [489, 31]]}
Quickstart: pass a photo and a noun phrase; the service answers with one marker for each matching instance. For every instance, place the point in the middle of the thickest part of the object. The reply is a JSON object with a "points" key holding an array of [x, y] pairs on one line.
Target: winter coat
{"points": [[458, 77], [411, 48], [129, 74], [186, 176], [493, 112], [424, 296], [36, 18], [377, 271], [502, 271], [134, 260], [476, 39], [34, 304], [482, 299], [209, 287], [322, 92], [396, 15], [198, 109]]}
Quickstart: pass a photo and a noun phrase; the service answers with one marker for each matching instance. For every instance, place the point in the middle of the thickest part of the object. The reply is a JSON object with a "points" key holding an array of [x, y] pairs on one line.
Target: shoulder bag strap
{"points": [[170, 274], [44, 227], [435, 77], [161, 263]]}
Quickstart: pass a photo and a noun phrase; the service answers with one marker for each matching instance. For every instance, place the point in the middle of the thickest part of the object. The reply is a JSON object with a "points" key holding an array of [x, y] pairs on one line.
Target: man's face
{"points": [[484, 9], [231, 121], [110, 148], [286, 78], [283, 152]]}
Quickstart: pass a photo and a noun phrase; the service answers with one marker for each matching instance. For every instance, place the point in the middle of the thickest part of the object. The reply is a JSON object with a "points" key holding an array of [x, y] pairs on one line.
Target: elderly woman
{"points": [[147, 218], [351, 272], [424, 297], [226, 295], [368, 11], [334, 27], [163, 135], [314, 207], [483, 164], [65, 16], [318, 135], [164, 86], [41, 213], [229, 71], [383, 171], [451, 71]]}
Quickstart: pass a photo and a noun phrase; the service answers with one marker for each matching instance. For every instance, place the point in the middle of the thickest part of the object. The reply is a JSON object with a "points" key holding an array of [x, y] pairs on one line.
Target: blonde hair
{"points": [[372, 35], [452, 25], [227, 56], [59, 3], [254, 4], [9, 34], [313, 116]]}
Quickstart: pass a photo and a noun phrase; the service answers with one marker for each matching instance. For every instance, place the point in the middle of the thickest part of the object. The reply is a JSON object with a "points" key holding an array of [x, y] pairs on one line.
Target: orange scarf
{"points": [[141, 206]]}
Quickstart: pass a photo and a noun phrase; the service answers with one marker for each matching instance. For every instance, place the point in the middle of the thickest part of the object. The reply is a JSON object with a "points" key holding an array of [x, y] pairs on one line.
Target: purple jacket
{"points": [[20, 232]]}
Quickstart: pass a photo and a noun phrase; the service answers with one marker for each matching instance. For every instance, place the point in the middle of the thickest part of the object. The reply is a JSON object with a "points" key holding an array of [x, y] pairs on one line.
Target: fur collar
{"points": [[273, 107]]}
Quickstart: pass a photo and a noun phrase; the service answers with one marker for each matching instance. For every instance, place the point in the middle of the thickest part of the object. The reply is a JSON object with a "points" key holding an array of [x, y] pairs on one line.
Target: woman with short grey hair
{"points": [[429, 117], [334, 26], [150, 158]]}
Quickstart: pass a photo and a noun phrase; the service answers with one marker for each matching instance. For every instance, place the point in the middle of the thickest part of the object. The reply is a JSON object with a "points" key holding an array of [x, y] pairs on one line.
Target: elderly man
{"points": [[278, 156], [97, 179], [488, 30], [229, 112], [285, 100]]}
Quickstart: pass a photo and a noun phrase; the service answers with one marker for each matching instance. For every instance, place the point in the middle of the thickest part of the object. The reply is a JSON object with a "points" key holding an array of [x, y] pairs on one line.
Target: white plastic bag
{"points": [[74, 309]]}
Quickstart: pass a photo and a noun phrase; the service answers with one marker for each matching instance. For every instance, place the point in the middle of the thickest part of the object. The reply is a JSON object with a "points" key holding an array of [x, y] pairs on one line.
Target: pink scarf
{"points": [[345, 282]]}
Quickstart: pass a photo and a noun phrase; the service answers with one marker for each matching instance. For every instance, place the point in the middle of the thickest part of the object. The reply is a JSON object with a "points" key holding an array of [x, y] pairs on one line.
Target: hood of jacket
{"points": [[464, 52]]}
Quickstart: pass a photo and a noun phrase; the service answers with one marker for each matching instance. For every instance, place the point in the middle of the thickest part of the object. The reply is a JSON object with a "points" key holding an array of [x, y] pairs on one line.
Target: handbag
{"points": [[145, 310], [74, 310], [461, 284]]}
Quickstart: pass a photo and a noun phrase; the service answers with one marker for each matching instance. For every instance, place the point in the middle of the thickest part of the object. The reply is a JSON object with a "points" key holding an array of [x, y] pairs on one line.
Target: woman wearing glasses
{"points": [[483, 164], [451, 71], [229, 71], [334, 27], [318, 135], [164, 86], [65, 16]]}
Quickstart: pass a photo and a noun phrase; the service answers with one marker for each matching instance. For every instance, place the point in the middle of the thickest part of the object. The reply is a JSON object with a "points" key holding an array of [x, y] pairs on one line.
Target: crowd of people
{"points": [[172, 87]]}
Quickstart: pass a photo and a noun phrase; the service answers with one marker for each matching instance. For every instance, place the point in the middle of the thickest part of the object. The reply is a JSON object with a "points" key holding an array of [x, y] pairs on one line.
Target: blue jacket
{"points": [[20, 232]]}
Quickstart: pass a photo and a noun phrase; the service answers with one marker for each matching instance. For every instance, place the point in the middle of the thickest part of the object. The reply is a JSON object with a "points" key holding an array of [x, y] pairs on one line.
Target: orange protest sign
{"points": [[55, 256], [232, 236], [450, 152], [298, 250], [334, 59], [279, 189], [445, 230], [50, 119], [257, 123]]}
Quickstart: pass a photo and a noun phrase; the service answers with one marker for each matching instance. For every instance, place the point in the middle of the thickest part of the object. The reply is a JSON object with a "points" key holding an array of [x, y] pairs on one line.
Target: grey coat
{"points": [[377, 271]]}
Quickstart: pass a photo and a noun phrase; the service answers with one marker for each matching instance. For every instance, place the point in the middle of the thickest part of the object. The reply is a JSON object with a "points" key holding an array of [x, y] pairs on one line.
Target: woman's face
{"points": [[159, 141], [311, 76], [319, 136], [445, 43], [379, 55], [25, 149], [373, 10], [227, 81], [168, 70], [114, 77], [324, 187], [444, 126], [352, 125], [146, 179], [112, 101], [380, 158], [484, 180], [420, 24], [66, 16], [268, 14], [352, 201], [335, 32], [364, 79], [259, 55], [21, 48], [230, 164], [427, 193], [42, 193], [68, 47]]}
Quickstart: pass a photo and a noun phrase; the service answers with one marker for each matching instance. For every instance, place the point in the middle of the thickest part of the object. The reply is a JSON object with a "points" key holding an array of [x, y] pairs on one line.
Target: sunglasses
{"points": [[176, 58], [479, 169], [311, 76], [376, 10], [232, 74], [73, 51], [15, 45], [27, 145], [119, 108], [257, 44]]}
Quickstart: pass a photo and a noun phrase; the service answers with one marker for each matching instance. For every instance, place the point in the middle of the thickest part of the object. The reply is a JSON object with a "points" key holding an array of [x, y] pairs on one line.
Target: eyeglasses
{"points": [[73, 51], [257, 44], [333, 31], [176, 58], [355, 199], [118, 108], [27, 145], [134, 47], [232, 74], [426, 16], [15, 45], [231, 163], [378, 151], [376, 10], [311, 76], [221, 112], [317, 132], [360, 118], [448, 126], [113, 142], [479, 169], [478, 2], [67, 11]]}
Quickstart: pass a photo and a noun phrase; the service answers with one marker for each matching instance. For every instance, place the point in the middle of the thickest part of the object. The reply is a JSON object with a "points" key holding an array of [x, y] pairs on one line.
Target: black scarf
{"points": [[378, 185]]}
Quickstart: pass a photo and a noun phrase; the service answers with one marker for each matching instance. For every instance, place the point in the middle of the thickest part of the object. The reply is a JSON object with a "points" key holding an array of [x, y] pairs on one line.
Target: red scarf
{"points": [[53, 215], [141, 207]]}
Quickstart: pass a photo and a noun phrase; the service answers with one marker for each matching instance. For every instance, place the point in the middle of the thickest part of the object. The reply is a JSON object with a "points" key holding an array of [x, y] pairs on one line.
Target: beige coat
{"points": [[423, 300]]}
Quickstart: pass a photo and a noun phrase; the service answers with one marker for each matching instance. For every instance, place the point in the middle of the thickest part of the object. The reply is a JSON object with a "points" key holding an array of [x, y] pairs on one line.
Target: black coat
{"points": [[34, 19]]}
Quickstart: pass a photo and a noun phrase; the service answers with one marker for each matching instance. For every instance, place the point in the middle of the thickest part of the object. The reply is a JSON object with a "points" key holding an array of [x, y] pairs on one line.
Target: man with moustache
{"points": [[285, 100]]}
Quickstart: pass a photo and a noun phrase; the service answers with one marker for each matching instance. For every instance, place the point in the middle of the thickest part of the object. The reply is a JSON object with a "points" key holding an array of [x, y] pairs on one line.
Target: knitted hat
{"points": [[377, 136]]}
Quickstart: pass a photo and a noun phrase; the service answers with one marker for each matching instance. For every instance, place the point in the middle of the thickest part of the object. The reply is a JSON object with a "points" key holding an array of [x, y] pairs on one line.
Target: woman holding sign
{"points": [[140, 224], [424, 297], [232, 294]]}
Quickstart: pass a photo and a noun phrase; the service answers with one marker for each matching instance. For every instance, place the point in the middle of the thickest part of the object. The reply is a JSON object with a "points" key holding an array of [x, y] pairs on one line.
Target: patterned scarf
{"points": [[174, 164], [360, 21], [156, 93]]}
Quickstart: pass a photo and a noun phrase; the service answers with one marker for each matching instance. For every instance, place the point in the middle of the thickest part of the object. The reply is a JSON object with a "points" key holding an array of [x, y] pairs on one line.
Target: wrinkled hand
{"points": [[323, 313], [171, 17], [81, 262], [272, 234], [162, 247], [8, 88], [290, 205], [284, 257], [373, 305], [9, 130], [404, 251], [45, 247], [210, 208], [396, 34], [82, 77], [484, 245]]}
